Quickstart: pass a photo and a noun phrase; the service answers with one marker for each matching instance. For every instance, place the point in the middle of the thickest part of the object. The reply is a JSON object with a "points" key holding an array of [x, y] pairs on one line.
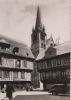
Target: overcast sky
{"points": [[17, 17]]}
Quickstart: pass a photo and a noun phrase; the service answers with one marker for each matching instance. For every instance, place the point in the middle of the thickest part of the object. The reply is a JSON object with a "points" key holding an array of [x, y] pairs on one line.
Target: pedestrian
{"points": [[9, 91], [27, 87]]}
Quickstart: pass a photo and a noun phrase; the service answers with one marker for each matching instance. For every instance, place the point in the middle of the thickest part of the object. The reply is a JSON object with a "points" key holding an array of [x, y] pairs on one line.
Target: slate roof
{"points": [[41, 55], [60, 49], [63, 48], [24, 50]]}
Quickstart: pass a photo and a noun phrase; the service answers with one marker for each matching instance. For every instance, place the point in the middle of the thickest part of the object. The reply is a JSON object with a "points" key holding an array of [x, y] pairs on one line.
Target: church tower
{"points": [[38, 36]]}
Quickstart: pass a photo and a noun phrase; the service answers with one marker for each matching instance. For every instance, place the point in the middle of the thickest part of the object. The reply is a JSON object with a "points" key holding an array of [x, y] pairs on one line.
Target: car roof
{"points": [[57, 85]]}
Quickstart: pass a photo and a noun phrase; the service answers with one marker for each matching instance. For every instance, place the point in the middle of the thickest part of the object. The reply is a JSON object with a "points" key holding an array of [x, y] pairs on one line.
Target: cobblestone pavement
{"points": [[3, 95], [32, 95], [41, 97]]}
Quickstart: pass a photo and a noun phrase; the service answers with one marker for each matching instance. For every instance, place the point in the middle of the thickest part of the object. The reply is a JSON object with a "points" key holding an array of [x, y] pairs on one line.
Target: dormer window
{"points": [[4, 44], [51, 44], [27, 54], [15, 50]]}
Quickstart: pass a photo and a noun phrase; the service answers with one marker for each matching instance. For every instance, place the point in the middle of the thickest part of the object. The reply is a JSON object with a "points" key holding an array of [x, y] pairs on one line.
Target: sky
{"points": [[18, 17]]}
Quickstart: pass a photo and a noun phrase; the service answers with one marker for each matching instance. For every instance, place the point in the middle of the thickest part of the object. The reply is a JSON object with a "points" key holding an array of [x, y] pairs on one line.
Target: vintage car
{"points": [[58, 88]]}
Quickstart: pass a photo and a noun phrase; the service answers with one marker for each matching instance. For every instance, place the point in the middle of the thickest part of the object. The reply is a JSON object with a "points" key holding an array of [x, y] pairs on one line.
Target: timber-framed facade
{"points": [[54, 67], [16, 63]]}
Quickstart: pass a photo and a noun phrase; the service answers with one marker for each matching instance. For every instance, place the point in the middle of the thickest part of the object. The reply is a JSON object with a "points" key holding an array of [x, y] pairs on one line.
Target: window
{"points": [[7, 49], [6, 74], [0, 74], [15, 74], [54, 75], [34, 38], [62, 74], [49, 63], [44, 76], [0, 61], [42, 45], [45, 65], [66, 60], [27, 54], [24, 63], [68, 73], [28, 76], [15, 50], [47, 75], [58, 74], [39, 66], [22, 75], [50, 52], [4, 48], [42, 36], [41, 76], [58, 61], [50, 74], [62, 61], [18, 63], [54, 63]]}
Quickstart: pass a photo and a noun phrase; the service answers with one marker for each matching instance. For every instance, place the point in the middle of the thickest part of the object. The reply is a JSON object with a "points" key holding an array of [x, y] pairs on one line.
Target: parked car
{"points": [[58, 88]]}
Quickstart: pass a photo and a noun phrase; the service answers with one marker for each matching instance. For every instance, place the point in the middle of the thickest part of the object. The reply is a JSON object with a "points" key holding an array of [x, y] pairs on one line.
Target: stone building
{"points": [[16, 63]]}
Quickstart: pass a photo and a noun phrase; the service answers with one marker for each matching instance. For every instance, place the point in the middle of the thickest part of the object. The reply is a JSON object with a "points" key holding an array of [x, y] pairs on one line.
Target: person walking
{"points": [[9, 91]]}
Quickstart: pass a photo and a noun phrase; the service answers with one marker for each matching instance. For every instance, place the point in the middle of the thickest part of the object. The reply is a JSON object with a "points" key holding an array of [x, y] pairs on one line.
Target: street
{"points": [[34, 95], [41, 97]]}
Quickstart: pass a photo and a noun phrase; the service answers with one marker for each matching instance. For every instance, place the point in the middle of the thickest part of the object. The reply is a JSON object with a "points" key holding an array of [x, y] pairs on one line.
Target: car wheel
{"points": [[54, 93]]}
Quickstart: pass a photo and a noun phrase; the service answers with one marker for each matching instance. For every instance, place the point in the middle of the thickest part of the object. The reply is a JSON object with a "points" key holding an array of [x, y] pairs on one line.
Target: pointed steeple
{"points": [[38, 19], [38, 35]]}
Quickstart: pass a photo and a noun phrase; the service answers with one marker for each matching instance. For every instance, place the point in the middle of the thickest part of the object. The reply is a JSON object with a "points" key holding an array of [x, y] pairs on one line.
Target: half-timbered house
{"points": [[16, 63], [54, 65]]}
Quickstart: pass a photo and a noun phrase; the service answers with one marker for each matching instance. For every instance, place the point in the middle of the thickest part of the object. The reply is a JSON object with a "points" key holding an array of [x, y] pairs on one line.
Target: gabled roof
{"points": [[24, 50], [60, 49]]}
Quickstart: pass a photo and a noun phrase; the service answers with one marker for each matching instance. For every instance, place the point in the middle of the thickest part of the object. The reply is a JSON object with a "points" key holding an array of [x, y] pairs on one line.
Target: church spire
{"points": [[38, 35], [38, 19]]}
